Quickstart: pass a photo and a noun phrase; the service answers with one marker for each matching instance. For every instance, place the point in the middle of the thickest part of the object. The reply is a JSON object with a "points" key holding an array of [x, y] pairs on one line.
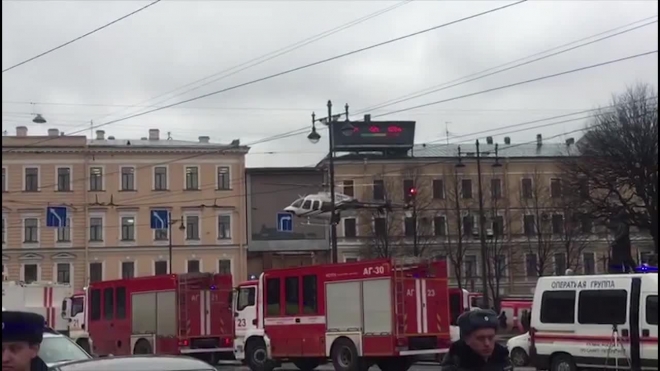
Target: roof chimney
{"points": [[53, 133], [204, 139], [507, 140], [143, 138], [100, 135], [111, 138], [154, 134], [21, 131], [539, 140], [489, 140], [367, 118], [570, 141]]}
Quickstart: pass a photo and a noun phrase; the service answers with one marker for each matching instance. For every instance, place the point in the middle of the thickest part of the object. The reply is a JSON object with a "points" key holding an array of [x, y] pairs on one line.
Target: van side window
{"points": [[292, 294], [558, 307], [108, 303], [273, 297], [652, 309], [602, 307], [95, 310], [310, 295], [121, 302]]}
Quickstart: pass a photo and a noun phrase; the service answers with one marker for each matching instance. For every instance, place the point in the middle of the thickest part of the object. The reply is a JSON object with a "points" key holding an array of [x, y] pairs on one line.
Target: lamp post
{"points": [[169, 232], [314, 137]]}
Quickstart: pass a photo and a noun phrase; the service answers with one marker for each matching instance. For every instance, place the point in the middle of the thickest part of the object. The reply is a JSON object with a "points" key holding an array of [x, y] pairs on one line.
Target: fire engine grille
{"points": [[422, 342], [205, 343]]}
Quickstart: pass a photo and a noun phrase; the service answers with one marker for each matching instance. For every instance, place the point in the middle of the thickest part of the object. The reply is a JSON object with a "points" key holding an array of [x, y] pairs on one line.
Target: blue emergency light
{"points": [[645, 268]]}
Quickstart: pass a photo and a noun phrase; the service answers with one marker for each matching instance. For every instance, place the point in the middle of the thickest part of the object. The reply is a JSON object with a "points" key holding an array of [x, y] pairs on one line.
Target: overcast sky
{"points": [[175, 43]]}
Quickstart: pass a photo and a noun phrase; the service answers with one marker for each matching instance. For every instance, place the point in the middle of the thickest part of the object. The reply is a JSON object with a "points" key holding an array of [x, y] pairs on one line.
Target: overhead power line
{"points": [[80, 37], [373, 46]]}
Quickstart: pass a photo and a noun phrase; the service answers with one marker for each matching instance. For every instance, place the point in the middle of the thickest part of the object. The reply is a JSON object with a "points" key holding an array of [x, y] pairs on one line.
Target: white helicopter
{"points": [[319, 205]]}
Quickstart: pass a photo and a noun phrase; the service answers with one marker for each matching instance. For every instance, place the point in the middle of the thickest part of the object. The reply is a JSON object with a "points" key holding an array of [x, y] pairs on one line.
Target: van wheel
{"points": [[84, 344], [344, 355], [142, 347], [519, 357], [257, 357], [562, 362], [395, 364], [306, 364]]}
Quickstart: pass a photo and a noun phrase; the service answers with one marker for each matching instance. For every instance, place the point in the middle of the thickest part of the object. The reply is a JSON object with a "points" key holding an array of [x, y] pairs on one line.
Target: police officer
{"points": [[477, 349], [22, 333]]}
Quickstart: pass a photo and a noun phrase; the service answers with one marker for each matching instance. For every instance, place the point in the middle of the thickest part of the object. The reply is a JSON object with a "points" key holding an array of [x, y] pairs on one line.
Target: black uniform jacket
{"points": [[462, 358]]}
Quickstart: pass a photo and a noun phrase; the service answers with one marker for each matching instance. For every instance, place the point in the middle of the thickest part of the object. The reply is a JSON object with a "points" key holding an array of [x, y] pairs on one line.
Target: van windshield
{"points": [[77, 305], [246, 298]]}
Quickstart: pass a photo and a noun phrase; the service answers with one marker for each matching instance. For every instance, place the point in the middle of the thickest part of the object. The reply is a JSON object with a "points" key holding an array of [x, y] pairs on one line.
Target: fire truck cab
{"points": [[74, 311], [357, 314], [188, 314]]}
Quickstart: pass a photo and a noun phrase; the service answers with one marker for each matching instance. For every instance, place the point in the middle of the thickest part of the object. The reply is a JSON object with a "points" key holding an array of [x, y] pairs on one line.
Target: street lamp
{"points": [[314, 137], [169, 232]]}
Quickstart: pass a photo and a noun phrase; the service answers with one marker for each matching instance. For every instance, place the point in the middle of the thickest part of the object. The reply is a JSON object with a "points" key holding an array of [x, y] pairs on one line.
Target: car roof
{"points": [[142, 363]]}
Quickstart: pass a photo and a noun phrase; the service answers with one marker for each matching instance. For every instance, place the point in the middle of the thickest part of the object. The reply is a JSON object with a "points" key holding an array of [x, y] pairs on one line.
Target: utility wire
{"points": [[373, 46], [496, 70], [80, 37]]}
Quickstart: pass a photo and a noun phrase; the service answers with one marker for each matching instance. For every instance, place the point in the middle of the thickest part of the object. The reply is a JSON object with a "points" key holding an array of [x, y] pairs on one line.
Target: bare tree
{"points": [[618, 162], [457, 208], [574, 234]]}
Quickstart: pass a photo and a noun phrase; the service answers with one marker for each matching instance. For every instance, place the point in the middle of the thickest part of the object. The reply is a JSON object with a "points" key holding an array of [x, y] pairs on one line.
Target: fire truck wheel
{"points": [[84, 344], [344, 355], [142, 347], [257, 357], [395, 364], [306, 364]]}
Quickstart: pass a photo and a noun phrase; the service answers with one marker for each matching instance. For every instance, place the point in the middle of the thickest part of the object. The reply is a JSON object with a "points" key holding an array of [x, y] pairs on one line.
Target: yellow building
{"points": [[110, 188]]}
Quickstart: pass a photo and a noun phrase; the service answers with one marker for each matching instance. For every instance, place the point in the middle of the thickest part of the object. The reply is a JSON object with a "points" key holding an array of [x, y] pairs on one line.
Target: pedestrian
{"points": [[502, 319], [477, 349], [22, 333]]}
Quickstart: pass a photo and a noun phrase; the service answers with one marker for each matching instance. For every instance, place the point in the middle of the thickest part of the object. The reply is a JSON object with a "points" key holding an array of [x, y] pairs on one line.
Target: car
{"points": [[518, 347], [142, 363], [56, 349]]}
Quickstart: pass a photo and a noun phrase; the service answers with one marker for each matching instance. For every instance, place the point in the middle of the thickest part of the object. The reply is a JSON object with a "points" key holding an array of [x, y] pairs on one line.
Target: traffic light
{"points": [[410, 197]]}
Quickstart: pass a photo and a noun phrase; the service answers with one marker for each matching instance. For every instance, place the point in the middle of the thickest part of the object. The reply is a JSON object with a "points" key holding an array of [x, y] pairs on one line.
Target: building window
{"points": [[160, 178], [500, 265], [63, 179], [30, 273], [555, 188], [348, 188], [498, 226], [95, 272], [527, 191], [161, 234], [409, 227], [557, 224], [160, 267], [63, 271], [224, 227], [589, 263], [192, 178], [439, 226], [466, 189], [224, 183], [192, 227], [127, 228], [4, 230], [96, 178], [127, 270], [408, 184], [193, 266], [380, 227], [496, 189], [560, 264], [468, 225], [378, 190], [96, 229], [645, 257], [31, 179], [351, 259], [558, 307], [127, 178], [470, 263], [583, 189], [350, 228], [31, 230], [4, 179], [529, 225], [438, 189], [586, 224], [64, 233], [602, 307], [531, 265], [224, 266]]}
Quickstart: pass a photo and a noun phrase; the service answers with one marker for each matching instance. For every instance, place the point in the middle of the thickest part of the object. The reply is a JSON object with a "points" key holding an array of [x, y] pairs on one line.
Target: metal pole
{"points": [[482, 236], [414, 216], [169, 232], [333, 217]]}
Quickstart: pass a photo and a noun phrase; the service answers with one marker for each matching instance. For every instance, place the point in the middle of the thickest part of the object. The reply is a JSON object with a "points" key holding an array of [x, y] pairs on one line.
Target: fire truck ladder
{"points": [[399, 297], [184, 284]]}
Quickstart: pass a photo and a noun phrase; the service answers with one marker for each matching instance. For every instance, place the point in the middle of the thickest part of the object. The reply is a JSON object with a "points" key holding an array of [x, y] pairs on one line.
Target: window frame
{"points": [[94, 178], [132, 187], [122, 238], [96, 264], [37, 230], [25, 178], [224, 236], [352, 228], [554, 309], [132, 274], [438, 190], [157, 181], [190, 182], [69, 184], [227, 175], [199, 265]]}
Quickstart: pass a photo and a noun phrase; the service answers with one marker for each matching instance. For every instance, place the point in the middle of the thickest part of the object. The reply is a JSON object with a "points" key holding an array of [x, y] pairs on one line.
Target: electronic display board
{"points": [[351, 136]]}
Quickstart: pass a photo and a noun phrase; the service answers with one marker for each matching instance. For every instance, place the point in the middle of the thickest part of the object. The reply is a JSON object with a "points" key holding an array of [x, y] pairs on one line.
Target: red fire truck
{"points": [[357, 314], [168, 314]]}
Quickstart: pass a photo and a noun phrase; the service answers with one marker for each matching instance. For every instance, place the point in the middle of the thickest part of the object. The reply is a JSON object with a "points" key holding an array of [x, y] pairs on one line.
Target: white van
{"points": [[575, 320]]}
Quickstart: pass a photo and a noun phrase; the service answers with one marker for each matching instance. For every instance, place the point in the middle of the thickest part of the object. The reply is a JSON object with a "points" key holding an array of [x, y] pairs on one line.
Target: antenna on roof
{"points": [[169, 135]]}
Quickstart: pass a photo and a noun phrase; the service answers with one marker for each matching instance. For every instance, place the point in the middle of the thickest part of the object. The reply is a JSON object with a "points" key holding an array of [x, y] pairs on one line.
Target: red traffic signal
{"points": [[412, 191]]}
